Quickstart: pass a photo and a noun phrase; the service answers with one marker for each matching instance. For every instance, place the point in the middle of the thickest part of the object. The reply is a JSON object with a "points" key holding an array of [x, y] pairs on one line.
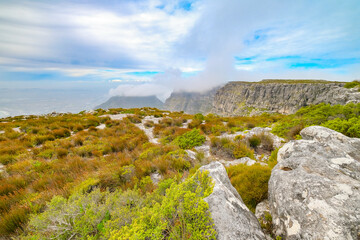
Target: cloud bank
{"points": [[153, 47]]}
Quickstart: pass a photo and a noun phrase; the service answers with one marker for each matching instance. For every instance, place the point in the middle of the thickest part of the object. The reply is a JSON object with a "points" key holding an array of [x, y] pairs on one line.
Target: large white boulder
{"points": [[314, 190], [232, 219]]}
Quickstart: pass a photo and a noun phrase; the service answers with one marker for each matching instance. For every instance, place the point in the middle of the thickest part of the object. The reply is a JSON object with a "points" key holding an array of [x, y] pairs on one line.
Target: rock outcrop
{"points": [[191, 102], [244, 98], [131, 102], [233, 220], [314, 190]]}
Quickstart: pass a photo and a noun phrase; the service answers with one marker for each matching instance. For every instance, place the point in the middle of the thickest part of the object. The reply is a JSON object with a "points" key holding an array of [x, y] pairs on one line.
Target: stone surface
{"points": [[314, 190], [245, 160], [3, 172], [233, 220], [261, 210], [243, 98]]}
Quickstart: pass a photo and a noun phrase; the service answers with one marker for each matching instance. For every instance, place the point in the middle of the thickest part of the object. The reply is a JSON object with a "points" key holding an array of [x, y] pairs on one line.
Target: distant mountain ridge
{"points": [[191, 102], [131, 102], [246, 98], [271, 95]]}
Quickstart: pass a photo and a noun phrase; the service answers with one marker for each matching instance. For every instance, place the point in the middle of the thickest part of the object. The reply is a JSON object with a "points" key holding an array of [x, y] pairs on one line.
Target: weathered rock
{"points": [[261, 210], [3, 172], [233, 220], [244, 98], [245, 160], [314, 190], [155, 177]]}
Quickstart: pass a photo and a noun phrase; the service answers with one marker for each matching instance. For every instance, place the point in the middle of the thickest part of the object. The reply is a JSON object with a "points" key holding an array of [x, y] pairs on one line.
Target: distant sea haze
{"points": [[14, 102]]}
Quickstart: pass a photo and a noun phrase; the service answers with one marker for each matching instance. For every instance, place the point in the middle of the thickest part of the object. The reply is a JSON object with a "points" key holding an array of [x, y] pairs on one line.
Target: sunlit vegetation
{"points": [[251, 182], [352, 84], [342, 118], [63, 164], [173, 211]]}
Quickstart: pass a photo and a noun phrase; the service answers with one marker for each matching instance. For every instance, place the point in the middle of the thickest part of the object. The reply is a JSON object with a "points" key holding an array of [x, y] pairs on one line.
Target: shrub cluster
{"points": [[173, 211], [251, 182]]}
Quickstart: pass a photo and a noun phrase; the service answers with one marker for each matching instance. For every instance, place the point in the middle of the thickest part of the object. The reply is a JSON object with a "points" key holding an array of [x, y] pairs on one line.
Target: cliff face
{"points": [[131, 102], [191, 102], [242, 98]]}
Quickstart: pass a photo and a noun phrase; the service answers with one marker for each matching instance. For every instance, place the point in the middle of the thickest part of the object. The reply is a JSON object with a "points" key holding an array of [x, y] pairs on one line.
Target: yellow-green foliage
{"points": [[173, 211], [224, 147], [190, 139], [273, 158], [352, 84], [337, 117], [242, 150], [251, 182]]}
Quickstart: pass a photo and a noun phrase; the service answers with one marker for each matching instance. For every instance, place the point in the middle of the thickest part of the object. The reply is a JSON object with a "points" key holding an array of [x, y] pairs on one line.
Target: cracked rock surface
{"points": [[232, 219], [314, 190]]}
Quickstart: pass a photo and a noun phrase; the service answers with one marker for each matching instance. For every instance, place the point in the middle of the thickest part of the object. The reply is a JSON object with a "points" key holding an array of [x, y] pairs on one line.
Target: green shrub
{"points": [[349, 127], [254, 141], [190, 139], [173, 211], [181, 214], [223, 147], [242, 150], [273, 158], [267, 143], [352, 84], [251, 182]]}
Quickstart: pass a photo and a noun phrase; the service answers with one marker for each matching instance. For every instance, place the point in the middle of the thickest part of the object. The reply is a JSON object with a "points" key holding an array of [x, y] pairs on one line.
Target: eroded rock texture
{"points": [[233, 220], [243, 98], [314, 190]]}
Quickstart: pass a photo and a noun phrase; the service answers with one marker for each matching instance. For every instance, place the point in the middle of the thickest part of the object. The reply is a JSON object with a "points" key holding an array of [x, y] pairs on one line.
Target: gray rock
{"points": [[245, 160], [261, 209], [245, 98], [155, 177], [314, 190], [233, 220]]}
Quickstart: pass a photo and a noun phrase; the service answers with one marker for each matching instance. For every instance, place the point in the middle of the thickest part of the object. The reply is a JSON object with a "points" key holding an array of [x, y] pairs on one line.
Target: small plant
{"points": [[254, 141], [190, 139], [273, 158], [242, 150], [251, 182]]}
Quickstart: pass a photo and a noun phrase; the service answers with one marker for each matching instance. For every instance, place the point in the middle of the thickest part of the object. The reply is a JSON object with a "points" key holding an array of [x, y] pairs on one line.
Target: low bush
{"points": [[251, 182], [190, 139], [267, 142], [352, 84], [242, 150], [254, 141], [173, 211]]}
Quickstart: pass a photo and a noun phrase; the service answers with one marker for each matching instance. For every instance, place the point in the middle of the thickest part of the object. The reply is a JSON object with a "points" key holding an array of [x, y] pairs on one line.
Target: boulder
{"points": [[314, 190], [244, 160], [232, 219]]}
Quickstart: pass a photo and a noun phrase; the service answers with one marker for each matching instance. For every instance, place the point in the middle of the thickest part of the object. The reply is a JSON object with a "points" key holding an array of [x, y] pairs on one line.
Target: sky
{"points": [[154, 47]]}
